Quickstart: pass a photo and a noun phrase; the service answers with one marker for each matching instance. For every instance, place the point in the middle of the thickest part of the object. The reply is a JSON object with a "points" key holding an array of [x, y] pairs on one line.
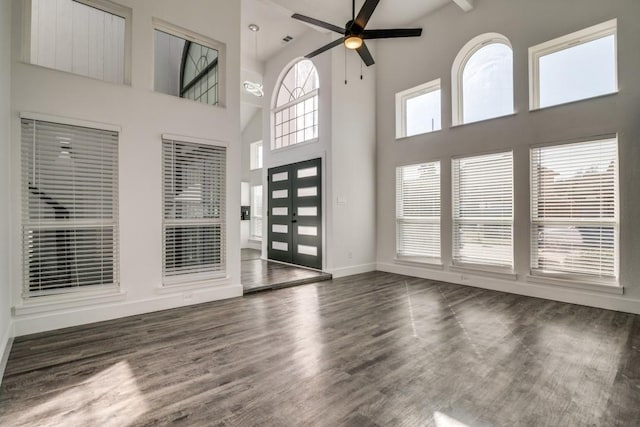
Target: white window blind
{"points": [[256, 212], [574, 209], [483, 210], [69, 207], [194, 209], [418, 211], [255, 157], [71, 36]]}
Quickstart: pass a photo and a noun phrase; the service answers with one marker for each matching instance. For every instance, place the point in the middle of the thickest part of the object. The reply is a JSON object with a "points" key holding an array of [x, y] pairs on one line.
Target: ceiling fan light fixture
{"points": [[353, 42]]}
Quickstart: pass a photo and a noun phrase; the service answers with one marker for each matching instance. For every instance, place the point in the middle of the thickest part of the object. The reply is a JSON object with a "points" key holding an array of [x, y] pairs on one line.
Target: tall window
{"points": [[296, 108], [574, 210], [256, 212], [87, 39], [418, 110], [255, 155], [482, 80], [577, 66], [69, 207], [194, 210], [483, 210], [418, 212]]}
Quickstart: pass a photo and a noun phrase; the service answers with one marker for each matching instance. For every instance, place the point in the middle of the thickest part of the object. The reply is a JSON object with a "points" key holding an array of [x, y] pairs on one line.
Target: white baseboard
{"points": [[41, 322], [521, 287], [6, 341], [351, 270]]}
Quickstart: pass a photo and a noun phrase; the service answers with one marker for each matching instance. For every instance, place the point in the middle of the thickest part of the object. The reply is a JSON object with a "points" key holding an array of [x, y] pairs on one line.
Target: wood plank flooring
{"points": [[259, 275], [376, 349]]}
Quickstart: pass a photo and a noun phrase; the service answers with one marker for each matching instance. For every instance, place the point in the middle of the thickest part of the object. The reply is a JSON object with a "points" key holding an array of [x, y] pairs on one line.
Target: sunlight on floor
{"points": [[443, 420], [111, 397]]}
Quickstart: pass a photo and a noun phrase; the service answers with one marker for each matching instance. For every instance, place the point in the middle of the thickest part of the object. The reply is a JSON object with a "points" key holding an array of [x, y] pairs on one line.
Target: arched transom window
{"points": [[296, 106], [482, 78]]}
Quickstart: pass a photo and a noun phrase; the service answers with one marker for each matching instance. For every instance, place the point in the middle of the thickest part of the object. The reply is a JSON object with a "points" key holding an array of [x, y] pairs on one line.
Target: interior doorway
{"points": [[295, 214]]}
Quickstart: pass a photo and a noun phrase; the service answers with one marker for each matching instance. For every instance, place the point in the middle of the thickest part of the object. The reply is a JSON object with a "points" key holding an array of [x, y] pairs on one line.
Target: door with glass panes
{"points": [[295, 214]]}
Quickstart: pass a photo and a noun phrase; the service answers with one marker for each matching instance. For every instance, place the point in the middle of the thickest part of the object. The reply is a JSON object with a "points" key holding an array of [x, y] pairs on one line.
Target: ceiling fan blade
{"points": [[392, 33], [365, 13], [318, 23], [364, 53], [326, 47]]}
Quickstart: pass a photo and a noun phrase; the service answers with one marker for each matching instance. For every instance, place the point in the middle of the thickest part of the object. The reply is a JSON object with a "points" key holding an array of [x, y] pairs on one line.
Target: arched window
{"points": [[482, 79], [199, 73], [296, 106]]}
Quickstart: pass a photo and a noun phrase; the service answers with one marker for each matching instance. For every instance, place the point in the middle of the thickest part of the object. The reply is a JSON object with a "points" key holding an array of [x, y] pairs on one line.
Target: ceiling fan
{"points": [[355, 33]]}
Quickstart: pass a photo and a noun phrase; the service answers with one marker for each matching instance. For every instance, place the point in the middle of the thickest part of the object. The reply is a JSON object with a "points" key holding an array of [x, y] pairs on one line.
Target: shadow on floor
{"points": [[260, 275]]}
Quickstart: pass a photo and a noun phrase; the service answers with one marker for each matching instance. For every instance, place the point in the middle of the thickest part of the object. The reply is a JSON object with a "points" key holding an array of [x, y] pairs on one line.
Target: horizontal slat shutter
{"points": [[483, 210], [70, 207]]}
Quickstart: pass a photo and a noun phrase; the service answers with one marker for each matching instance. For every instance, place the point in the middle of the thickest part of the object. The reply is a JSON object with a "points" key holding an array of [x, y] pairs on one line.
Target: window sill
{"points": [[604, 95], [606, 287], [255, 240], [497, 273], [47, 303], [292, 146], [190, 283], [417, 135], [457, 125], [433, 263]]}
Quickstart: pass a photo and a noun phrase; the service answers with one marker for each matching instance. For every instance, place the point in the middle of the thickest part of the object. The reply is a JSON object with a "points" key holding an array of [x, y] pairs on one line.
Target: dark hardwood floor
{"points": [[260, 275], [372, 349]]}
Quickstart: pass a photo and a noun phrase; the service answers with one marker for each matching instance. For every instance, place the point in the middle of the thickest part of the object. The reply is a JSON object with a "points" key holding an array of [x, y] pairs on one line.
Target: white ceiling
{"points": [[274, 19]]}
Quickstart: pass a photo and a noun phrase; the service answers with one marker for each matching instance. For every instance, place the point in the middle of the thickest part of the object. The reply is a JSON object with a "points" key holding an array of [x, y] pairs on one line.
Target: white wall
{"points": [[251, 133], [5, 166], [407, 63], [346, 144], [143, 116]]}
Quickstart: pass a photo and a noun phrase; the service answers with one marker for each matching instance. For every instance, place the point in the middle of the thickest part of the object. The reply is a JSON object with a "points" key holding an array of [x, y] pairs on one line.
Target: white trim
{"points": [[351, 270], [467, 51], [591, 298], [576, 38], [401, 106], [66, 302], [70, 121], [434, 263], [194, 140], [6, 342], [201, 280], [487, 271], [30, 324]]}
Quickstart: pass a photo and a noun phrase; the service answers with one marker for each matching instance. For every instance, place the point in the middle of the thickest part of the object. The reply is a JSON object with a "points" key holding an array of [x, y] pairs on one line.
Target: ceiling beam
{"points": [[465, 5]]}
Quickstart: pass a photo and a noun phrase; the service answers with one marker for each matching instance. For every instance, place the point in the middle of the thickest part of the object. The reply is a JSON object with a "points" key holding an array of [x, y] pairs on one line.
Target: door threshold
{"points": [[271, 287], [294, 265]]}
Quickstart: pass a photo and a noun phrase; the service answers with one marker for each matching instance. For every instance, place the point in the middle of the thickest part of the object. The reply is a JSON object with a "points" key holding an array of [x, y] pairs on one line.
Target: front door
{"points": [[295, 214]]}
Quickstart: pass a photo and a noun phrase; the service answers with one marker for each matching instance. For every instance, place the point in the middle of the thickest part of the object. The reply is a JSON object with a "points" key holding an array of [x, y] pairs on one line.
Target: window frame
{"points": [[256, 162], [401, 106], [437, 261], [615, 222], [107, 6], [255, 214], [457, 71], [568, 41], [171, 281], [89, 290], [455, 198], [188, 35], [300, 100]]}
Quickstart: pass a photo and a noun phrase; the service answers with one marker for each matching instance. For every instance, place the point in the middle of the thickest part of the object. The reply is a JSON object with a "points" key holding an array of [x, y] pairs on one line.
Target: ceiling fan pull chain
{"points": [[345, 64], [361, 78]]}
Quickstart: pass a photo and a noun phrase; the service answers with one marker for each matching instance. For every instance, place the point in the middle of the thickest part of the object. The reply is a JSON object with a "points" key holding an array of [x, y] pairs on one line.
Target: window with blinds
{"points": [[483, 210], [418, 212], [574, 210], [69, 207], [194, 209], [256, 212]]}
